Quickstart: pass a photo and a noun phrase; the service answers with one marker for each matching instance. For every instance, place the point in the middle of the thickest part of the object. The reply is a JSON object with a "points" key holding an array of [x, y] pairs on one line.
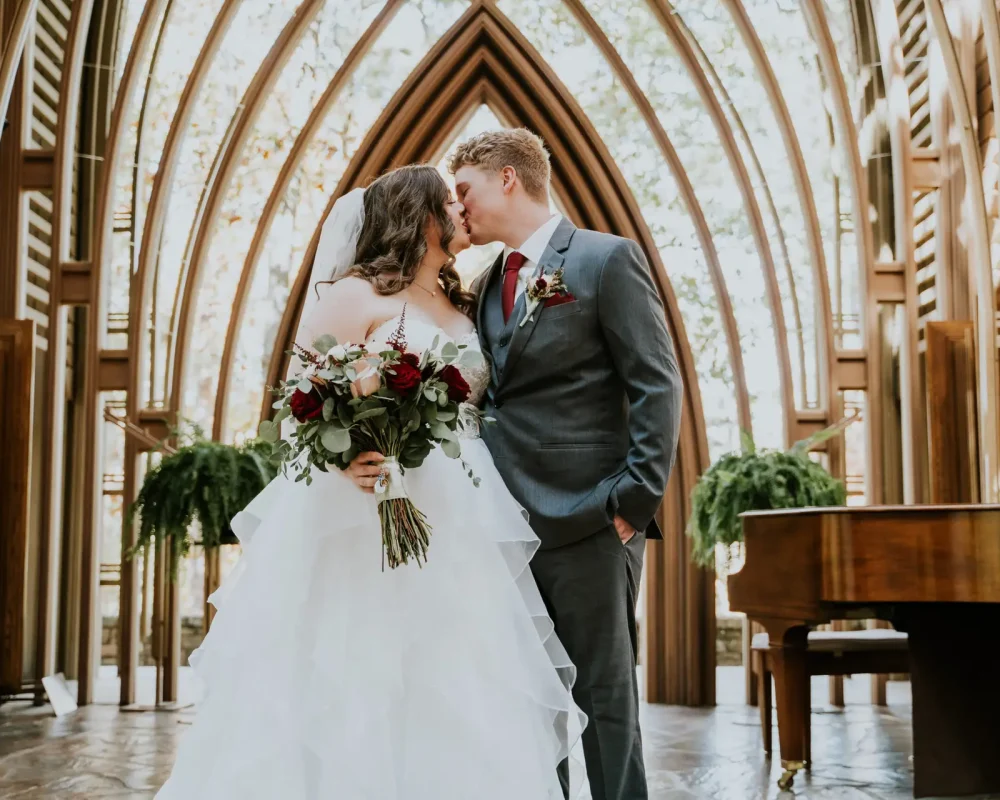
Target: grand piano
{"points": [[931, 571]]}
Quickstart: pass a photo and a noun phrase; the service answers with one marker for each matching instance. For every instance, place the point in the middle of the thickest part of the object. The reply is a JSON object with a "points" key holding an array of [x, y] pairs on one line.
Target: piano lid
{"points": [[799, 562]]}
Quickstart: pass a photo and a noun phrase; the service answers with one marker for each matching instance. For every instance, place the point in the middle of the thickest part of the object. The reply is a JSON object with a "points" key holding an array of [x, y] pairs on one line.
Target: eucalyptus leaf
{"points": [[324, 343], [283, 413], [451, 448], [305, 386], [268, 431], [449, 352], [369, 413], [329, 406], [336, 440], [441, 431], [471, 359]]}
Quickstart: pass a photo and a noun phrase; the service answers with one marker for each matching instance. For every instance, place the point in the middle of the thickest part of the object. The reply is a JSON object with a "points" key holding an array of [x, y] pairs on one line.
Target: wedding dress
{"points": [[327, 677]]}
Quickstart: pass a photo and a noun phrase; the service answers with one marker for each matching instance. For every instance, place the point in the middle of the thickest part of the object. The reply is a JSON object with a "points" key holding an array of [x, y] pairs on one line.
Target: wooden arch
{"points": [[485, 59]]}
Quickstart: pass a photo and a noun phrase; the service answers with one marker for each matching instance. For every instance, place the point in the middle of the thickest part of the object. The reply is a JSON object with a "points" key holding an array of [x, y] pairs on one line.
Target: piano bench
{"points": [[867, 652]]}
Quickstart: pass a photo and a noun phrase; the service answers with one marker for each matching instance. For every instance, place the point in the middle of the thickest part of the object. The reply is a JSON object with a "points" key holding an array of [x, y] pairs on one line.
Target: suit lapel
{"points": [[552, 259], [484, 293]]}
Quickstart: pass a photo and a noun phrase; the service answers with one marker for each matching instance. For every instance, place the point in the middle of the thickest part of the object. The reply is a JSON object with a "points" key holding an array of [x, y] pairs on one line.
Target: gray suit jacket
{"points": [[587, 395]]}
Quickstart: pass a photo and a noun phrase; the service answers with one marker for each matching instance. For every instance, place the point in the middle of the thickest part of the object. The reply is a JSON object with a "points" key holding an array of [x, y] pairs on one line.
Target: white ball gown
{"points": [[326, 677]]}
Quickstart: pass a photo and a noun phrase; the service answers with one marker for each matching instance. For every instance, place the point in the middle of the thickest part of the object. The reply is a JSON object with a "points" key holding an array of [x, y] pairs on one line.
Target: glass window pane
{"points": [[414, 30], [720, 39], [793, 55], [245, 43]]}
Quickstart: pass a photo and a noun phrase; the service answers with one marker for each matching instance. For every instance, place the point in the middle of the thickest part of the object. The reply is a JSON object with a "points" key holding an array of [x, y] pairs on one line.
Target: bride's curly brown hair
{"points": [[393, 242]]}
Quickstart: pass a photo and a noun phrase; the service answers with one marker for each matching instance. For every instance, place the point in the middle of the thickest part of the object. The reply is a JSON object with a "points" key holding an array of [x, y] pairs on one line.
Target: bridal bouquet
{"points": [[347, 400]]}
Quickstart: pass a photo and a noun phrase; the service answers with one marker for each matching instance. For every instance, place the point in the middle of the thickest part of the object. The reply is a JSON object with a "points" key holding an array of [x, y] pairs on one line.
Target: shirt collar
{"points": [[534, 246]]}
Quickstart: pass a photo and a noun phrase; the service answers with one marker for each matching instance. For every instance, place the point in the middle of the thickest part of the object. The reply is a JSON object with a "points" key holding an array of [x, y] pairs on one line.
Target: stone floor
{"points": [[862, 753]]}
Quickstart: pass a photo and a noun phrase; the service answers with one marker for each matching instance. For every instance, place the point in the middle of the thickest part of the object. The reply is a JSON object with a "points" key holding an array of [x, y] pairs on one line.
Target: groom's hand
{"points": [[364, 470], [625, 531]]}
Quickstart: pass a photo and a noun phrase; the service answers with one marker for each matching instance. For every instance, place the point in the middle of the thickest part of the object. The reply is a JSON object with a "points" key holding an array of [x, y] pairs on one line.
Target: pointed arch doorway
{"points": [[484, 61]]}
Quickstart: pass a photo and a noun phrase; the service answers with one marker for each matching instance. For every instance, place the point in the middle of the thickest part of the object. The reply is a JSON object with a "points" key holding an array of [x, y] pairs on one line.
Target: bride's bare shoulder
{"points": [[352, 288], [346, 309]]}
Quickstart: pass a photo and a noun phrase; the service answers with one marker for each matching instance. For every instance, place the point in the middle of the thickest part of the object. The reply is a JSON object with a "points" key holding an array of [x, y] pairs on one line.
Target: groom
{"points": [[586, 396]]}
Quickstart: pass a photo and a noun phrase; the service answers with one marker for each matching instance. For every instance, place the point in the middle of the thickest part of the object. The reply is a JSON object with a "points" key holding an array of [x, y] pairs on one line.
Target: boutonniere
{"points": [[542, 288]]}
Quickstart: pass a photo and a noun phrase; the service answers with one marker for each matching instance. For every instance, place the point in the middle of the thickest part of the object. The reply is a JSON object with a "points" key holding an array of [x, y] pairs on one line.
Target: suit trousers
{"points": [[591, 588]]}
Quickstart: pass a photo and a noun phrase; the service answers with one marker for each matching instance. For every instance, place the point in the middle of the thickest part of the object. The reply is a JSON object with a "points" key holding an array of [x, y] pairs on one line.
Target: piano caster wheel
{"points": [[788, 776]]}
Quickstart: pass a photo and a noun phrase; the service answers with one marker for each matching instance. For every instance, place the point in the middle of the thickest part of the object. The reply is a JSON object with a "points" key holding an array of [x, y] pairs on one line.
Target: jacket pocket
{"points": [[561, 310]]}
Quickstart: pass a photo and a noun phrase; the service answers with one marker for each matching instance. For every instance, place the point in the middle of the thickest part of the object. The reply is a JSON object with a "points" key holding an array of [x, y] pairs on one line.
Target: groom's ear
{"points": [[509, 177]]}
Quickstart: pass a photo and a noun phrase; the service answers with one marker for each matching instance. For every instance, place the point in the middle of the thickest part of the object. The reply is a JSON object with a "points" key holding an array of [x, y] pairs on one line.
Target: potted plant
{"points": [[204, 481], [758, 480]]}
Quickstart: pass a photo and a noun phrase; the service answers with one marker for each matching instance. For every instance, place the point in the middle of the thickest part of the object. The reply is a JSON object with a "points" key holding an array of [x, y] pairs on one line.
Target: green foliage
{"points": [[204, 481], [758, 481]]}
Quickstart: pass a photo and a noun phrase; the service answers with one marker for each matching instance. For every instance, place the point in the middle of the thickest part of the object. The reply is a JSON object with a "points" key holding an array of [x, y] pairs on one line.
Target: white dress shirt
{"points": [[532, 250]]}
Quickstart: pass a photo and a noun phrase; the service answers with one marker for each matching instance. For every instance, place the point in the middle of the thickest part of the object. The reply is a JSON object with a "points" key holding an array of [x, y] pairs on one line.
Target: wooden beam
{"points": [[850, 370], [888, 283], [951, 406], [112, 374], [38, 169], [12, 270], [914, 428], [100, 256], [926, 168], [17, 349], [980, 262], [12, 40], [77, 280], [810, 422], [157, 424]]}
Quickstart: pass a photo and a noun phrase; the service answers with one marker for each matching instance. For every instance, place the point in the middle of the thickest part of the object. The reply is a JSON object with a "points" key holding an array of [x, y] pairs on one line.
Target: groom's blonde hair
{"points": [[515, 147]]}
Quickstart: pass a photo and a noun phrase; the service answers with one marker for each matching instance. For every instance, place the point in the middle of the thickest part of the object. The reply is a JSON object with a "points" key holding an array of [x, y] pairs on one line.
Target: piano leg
{"points": [[791, 692], [954, 658]]}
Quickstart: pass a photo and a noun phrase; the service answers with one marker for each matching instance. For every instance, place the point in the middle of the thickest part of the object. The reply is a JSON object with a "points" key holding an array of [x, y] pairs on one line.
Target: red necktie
{"points": [[510, 271]]}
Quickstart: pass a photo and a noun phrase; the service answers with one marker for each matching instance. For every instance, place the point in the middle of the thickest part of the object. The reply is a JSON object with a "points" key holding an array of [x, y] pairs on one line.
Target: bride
{"points": [[326, 677]]}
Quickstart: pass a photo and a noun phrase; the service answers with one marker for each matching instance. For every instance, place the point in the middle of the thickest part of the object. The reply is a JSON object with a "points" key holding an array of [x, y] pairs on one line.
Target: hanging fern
{"points": [[758, 481], [205, 482]]}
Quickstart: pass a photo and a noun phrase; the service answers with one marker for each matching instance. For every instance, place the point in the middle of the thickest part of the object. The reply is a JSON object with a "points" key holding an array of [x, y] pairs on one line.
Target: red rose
{"points": [[541, 284], [405, 376], [458, 389], [306, 407]]}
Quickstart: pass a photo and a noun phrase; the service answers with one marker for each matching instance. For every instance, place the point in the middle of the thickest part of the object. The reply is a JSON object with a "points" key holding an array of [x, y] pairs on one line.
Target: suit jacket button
{"points": [[498, 404], [503, 342]]}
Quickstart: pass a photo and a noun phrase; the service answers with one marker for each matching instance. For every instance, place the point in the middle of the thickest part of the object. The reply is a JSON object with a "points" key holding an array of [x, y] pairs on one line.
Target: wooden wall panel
{"points": [[951, 412], [16, 367]]}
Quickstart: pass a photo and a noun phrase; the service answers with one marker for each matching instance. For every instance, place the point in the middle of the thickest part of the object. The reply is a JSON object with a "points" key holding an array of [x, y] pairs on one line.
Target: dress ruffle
{"points": [[326, 677]]}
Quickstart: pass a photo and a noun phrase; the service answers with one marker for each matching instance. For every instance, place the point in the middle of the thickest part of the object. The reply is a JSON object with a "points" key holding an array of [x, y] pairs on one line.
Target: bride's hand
{"points": [[364, 470]]}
